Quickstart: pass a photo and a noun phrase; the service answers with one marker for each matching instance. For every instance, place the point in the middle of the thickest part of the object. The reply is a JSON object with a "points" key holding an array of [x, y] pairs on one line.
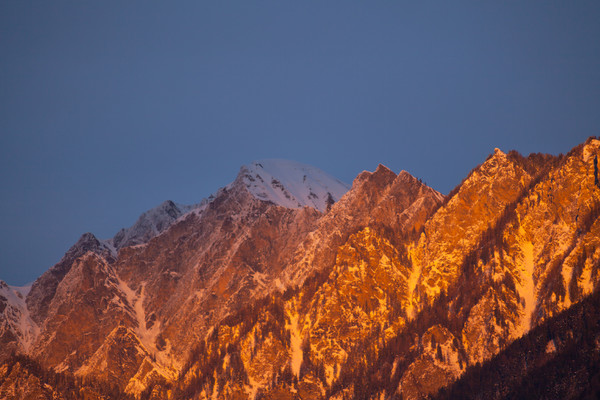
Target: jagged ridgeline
{"points": [[288, 283]]}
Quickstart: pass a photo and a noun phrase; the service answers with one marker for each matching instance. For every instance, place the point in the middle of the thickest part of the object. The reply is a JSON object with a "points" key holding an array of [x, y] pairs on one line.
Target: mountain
{"points": [[84, 300], [291, 184], [287, 283]]}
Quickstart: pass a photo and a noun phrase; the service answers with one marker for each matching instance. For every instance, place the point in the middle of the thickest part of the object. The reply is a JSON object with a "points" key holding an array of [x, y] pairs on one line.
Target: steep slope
{"points": [[120, 318], [559, 359], [455, 229], [44, 288], [299, 341], [18, 331], [474, 309], [464, 307], [515, 266], [541, 259], [150, 224], [85, 303], [399, 204], [218, 259]]}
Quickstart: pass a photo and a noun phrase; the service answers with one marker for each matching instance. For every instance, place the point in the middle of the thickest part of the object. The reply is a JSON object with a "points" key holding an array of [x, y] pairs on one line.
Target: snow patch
{"points": [[146, 335], [109, 244], [279, 285], [16, 315], [252, 388], [291, 184], [586, 283], [23, 290], [413, 280], [296, 342], [590, 149], [526, 284]]}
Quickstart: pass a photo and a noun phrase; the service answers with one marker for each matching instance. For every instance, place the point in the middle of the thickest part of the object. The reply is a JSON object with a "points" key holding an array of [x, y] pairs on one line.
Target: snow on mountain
{"points": [[286, 183], [150, 224], [15, 318], [23, 290], [292, 184]]}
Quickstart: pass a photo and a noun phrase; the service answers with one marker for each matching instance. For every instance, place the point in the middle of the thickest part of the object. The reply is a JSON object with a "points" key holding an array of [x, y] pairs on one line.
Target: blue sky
{"points": [[108, 108]]}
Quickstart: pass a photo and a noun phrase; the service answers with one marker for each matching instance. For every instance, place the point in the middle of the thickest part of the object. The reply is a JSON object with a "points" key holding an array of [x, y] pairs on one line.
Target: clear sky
{"points": [[108, 108]]}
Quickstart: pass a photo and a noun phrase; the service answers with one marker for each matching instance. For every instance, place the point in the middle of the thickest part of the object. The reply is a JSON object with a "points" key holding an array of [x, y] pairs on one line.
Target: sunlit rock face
{"points": [[439, 362], [287, 283], [456, 228], [399, 204], [348, 301], [543, 259]]}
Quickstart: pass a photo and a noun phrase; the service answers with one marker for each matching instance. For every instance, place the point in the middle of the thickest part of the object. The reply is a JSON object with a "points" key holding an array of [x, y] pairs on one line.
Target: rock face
{"points": [[288, 283], [44, 288]]}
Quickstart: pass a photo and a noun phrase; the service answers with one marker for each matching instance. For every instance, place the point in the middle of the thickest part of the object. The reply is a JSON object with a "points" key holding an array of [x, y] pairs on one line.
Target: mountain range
{"points": [[290, 284]]}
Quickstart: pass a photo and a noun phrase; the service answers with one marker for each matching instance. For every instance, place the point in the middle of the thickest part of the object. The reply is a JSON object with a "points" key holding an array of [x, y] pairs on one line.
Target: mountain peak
{"points": [[383, 169], [405, 178], [150, 224], [381, 177], [88, 242], [291, 184]]}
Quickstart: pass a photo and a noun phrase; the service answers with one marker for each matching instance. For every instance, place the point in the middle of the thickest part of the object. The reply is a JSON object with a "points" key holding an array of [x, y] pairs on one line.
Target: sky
{"points": [[109, 108]]}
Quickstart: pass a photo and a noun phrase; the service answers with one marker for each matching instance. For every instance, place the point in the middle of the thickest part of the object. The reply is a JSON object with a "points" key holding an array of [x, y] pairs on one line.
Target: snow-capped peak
{"points": [[150, 224], [291, 184]]}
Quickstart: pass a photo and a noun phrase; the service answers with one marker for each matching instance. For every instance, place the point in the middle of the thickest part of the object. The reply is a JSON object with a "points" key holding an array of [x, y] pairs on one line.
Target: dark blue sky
{"points": [[108, 108]]}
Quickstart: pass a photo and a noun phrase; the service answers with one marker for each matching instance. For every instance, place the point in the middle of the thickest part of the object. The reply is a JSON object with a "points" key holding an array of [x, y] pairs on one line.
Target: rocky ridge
{"points": [[390, 289]]}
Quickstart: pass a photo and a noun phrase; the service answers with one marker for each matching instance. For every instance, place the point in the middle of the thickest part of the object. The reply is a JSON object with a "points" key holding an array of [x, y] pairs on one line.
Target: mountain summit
{"points": [[291, 184]]}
